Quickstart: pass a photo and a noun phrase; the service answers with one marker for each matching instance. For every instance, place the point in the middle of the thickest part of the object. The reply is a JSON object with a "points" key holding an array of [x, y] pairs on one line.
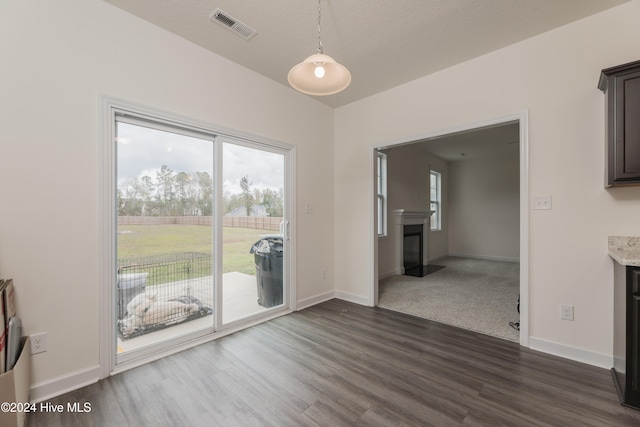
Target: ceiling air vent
{"points": [[231, 23]]}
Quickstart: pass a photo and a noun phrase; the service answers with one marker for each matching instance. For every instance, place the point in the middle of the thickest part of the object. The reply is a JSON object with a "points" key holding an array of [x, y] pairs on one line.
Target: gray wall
{"points": [[408, 170], [480, 204], [484, 208]]}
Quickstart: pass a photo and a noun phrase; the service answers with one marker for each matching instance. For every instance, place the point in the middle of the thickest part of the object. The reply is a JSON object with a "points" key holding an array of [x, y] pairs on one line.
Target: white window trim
{"points": [[438, 202], [381, 191]]}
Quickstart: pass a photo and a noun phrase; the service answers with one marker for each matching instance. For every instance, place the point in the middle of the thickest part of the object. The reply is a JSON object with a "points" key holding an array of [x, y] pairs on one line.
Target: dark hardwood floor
{"points": [[343, 364]]}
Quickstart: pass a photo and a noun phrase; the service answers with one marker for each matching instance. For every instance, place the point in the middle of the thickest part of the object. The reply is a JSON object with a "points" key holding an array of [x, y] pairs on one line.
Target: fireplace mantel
{"points": [[403, 217], [411, 217]]}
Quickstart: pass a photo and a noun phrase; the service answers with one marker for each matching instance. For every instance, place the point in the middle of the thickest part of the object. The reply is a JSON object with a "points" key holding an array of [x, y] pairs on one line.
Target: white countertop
{"points": [[625, 250]]}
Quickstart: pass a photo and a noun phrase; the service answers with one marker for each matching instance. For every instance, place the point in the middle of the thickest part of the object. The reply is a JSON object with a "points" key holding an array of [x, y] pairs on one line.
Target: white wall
{"points": [[484, 207], [408, 169], [554, 76], [57, 59]]}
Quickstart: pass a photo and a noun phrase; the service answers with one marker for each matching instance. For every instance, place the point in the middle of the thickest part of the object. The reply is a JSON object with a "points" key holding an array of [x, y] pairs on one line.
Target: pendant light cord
{"points": [[319, 40]]}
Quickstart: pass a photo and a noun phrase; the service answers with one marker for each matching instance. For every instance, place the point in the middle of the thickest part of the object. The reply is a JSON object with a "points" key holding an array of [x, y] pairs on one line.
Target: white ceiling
{"points": [[384, 43], [490, 141]]}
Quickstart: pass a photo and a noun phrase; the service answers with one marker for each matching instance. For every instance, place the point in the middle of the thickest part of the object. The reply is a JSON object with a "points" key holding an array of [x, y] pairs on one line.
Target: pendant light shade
{"points": [[319, 74]]}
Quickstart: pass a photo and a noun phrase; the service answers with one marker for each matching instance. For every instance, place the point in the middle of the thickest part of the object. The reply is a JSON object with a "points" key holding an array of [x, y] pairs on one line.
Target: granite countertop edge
{"points": [[625, 250]]}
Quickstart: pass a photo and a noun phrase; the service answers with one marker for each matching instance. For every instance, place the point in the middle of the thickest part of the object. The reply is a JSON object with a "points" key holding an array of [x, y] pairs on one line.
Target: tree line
{"points": [[189, 194]]}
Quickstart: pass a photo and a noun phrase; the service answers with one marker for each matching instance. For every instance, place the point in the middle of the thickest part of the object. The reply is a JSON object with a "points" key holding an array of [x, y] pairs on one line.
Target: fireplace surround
{"points": [[412, 231]]}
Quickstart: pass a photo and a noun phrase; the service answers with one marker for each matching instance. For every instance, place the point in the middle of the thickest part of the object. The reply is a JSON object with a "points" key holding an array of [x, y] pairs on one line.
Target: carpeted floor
{"points": [[474, 294]]}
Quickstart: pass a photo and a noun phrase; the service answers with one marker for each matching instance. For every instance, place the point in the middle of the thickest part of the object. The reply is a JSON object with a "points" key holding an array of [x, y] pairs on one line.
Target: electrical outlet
{"points": [[542, 202], [38, 343], [566, 312]]}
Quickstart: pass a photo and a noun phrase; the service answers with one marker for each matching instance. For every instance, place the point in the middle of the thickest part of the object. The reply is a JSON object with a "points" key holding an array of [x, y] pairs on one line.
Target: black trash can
{"points": [[268, 252]]}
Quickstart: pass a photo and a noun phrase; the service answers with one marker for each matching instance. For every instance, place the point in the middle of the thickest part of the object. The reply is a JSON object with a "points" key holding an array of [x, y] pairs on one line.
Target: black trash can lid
{"points": [[270, 243]]}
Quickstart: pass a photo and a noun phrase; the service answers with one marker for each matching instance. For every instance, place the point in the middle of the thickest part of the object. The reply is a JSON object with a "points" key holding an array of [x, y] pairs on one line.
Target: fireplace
{"points": [[412, 246], [411, 242]]}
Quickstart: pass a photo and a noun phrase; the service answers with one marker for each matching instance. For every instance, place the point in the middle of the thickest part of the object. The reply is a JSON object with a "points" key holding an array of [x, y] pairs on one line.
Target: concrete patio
{"points": [[239, 299]]}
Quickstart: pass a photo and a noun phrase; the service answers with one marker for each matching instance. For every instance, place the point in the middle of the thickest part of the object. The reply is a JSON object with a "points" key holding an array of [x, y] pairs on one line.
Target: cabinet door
{"points": [[632, 394], [626, 129]]}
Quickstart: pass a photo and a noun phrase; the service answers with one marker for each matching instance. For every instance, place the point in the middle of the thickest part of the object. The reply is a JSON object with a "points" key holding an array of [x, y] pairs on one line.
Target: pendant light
{"points": [[319, 74]]}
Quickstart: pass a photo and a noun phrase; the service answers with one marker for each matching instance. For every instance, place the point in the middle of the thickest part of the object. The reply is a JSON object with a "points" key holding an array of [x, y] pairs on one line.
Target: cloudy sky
{"points": [[143, 151]]}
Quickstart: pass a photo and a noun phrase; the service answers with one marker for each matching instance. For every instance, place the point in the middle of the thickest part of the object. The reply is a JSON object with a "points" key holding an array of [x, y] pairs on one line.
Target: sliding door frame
{"points": [[289, 295], [107, 220]]}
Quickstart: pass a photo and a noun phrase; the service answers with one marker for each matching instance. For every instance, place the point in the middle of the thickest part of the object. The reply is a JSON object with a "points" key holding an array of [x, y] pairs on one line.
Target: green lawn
{"points": [[147, 240]]}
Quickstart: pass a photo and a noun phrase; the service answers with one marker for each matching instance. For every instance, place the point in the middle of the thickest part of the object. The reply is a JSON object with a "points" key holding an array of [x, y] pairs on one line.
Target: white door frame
{"points": [[107, 227], [522, 119]]}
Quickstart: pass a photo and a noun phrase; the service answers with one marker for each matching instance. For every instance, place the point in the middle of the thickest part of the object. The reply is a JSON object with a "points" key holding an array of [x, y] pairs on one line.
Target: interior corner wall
{"points": [[484, 208], [408, 180], [554, 78], [58, 58]]}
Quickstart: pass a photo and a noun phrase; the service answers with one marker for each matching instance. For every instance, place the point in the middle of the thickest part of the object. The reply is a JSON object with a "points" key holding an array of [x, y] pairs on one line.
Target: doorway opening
{"points": [[479, 236]]}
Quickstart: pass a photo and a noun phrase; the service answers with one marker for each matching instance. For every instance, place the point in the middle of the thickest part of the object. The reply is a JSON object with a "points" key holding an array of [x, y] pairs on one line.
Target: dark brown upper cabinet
{"points": [[621, 86]]}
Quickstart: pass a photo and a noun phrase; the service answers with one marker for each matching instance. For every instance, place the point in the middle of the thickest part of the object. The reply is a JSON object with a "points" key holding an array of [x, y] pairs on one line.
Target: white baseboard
{"points": [[486, 257], [61, 385], [345, 296], [387, 275], [356, 299], [316, 299], [573, 353]]}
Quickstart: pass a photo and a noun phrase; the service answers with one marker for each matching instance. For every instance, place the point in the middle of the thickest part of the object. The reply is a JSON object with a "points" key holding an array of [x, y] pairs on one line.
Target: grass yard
{"points": [[147, 240]]}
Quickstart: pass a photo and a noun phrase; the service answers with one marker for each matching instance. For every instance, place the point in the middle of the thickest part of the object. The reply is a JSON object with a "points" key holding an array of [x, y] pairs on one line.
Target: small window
{"points": [[382, 194], [436, 200]]}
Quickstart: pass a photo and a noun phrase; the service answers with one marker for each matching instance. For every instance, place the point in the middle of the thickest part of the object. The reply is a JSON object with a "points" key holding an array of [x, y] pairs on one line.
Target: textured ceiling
{"points": [[384, 43], [490, 141]]}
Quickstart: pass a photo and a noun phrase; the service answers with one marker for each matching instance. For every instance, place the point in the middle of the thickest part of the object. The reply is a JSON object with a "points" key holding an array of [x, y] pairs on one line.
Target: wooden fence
{"points": [[257, 222]]}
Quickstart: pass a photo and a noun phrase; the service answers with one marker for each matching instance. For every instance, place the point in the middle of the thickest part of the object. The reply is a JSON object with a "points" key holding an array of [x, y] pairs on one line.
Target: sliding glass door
{"points": [[253, 230], [164, 233], [201, 237]]}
